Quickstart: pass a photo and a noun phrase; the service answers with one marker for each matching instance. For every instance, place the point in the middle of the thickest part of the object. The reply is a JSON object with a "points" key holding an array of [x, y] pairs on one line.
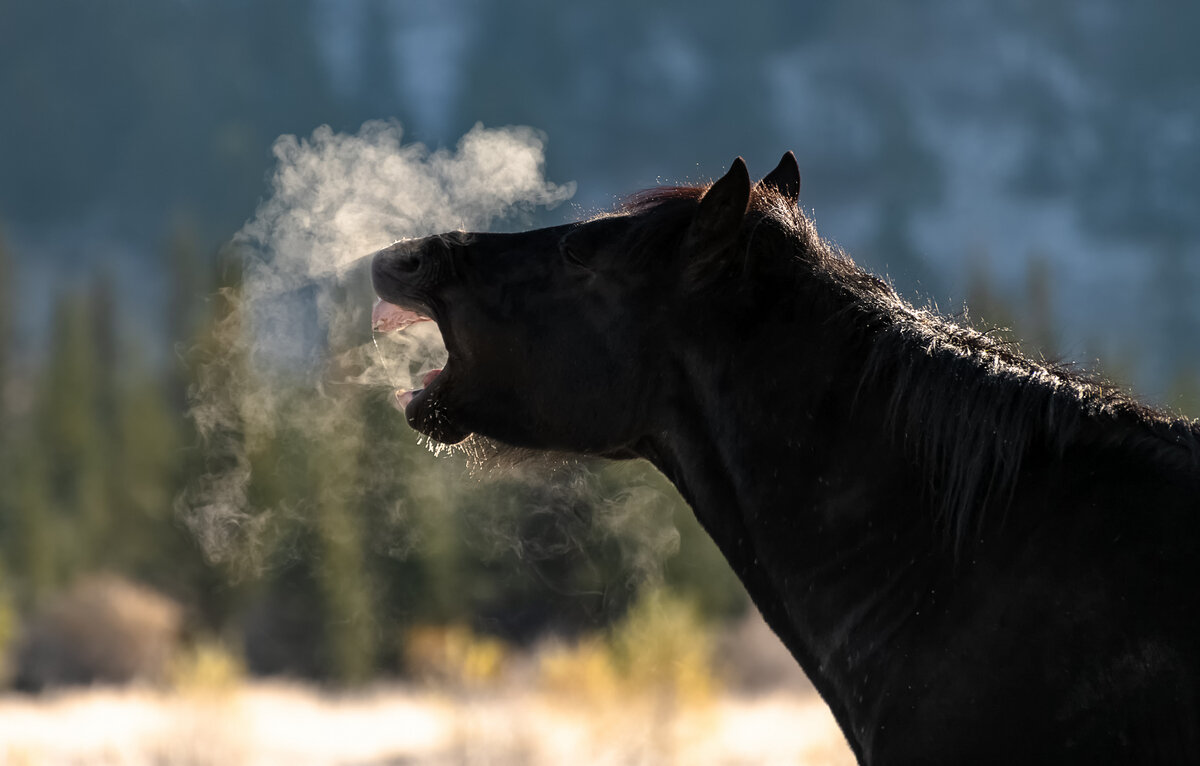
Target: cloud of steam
{"points": [[291, 358], [302, 309], [573, 503], [337, 197]]}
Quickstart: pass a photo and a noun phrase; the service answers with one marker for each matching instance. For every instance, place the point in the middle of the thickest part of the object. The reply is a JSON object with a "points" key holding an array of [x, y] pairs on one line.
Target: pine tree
{"points": [[344, 590], [210, 502], [184, 307], [7, 501], [7, 310], [68, 425]]}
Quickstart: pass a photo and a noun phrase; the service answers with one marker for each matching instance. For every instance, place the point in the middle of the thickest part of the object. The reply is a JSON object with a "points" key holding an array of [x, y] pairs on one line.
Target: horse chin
{"points": [[427, 413]]}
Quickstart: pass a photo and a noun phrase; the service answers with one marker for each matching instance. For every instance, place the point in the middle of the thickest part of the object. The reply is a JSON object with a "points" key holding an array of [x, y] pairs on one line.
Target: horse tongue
{"points": [[402, 397], [386, 317]]}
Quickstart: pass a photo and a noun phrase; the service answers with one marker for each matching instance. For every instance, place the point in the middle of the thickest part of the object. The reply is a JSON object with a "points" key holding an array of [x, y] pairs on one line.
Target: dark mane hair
{"points": [[968, 406], [972, 408]]}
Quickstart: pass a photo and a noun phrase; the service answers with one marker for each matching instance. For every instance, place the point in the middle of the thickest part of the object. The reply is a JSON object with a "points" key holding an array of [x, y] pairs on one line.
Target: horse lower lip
{"points": [[434, 425]]}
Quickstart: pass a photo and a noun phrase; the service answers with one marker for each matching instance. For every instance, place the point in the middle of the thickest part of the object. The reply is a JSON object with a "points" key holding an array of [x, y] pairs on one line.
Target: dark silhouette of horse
{"points": [[976, 557]]}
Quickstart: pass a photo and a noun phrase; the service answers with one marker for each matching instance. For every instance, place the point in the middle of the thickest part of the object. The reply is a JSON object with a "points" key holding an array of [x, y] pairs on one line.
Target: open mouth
{"points": [[424, 408]]}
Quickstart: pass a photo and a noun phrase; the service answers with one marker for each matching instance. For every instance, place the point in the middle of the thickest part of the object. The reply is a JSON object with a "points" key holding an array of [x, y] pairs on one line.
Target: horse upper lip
{"points": [[392, 285]]}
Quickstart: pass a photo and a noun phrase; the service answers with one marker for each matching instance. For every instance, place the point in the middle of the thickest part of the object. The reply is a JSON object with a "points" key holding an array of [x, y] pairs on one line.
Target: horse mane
{"points": [[973, 409], [968, 407], [656, 196]]}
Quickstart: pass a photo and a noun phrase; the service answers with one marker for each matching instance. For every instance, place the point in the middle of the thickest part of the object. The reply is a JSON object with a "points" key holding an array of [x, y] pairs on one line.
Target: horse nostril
{"points": [[407, 262]]}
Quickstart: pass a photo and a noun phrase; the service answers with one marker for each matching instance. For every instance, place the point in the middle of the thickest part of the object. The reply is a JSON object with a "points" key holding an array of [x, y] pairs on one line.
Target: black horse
{"points": [[977, 558]]}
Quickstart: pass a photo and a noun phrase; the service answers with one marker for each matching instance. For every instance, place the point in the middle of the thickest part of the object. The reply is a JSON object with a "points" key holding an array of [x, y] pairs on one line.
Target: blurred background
{"points": [[1038, 162]]}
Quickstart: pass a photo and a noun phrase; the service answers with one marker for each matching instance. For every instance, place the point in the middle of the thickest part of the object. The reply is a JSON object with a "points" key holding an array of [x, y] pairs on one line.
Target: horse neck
{"points": [[787, 469], [811, 451]]}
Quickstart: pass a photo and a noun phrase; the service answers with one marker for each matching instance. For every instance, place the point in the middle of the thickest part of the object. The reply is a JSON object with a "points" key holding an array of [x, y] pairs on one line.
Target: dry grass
{"points": [[658, 688], [276, 723]]}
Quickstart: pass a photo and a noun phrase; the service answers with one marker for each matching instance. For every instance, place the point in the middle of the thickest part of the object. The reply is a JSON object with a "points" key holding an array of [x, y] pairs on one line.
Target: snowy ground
{"points": [[295, 724]]}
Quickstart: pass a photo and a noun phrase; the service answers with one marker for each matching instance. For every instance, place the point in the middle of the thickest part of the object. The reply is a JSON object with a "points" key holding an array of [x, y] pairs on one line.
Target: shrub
{"points": [[205, 667], [454, 656], [103, 629], [660, 649]]}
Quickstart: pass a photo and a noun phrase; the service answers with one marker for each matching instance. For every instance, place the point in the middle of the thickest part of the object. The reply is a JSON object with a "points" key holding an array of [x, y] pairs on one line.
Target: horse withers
{"points": [[976, 557]]}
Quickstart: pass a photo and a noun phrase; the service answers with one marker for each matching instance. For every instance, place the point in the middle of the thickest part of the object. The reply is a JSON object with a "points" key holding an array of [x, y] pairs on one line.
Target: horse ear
{"points": [[715, 227], [786, 178]]}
